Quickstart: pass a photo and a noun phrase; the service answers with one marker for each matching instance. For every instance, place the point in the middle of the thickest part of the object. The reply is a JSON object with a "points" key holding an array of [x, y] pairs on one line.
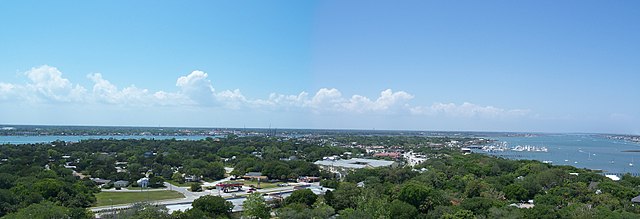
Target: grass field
{"points": [[116, 198], [185, 184], [263, 185]]}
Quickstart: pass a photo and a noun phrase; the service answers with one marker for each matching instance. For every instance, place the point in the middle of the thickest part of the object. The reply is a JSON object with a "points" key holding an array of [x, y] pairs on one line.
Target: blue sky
{"points": [[550, 66]]}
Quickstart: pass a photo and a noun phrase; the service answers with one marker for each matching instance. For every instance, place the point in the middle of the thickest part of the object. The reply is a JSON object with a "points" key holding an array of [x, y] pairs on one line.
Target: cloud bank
{"points": [[47, 85]]}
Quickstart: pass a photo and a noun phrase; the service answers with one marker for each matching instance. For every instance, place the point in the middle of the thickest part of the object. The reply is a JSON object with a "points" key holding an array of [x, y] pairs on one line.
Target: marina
{"points": [[579, 150]]}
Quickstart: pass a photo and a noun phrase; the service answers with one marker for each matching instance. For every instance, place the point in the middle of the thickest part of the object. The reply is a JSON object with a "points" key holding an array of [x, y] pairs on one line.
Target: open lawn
{"points": [[184, 184], [116, 198], [263, 185]]}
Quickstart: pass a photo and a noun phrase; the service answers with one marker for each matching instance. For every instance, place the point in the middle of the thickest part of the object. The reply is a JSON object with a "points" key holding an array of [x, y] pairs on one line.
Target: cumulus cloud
{"points": [[6, 90], [47, 83], [286, 101], [387, 100], [466, 110], [106, 92], [197, 87]]}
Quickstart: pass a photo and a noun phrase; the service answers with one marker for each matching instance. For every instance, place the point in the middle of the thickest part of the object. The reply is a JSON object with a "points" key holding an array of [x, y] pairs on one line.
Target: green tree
{"points": [[516, 192], [255, 207], [351, 213], [402, 210], [321, 209], [177, 177], [8, 202], [302, 196], [141, 211], [461, 214], [294, 211], [479, 205], [196, 187], [213, 206], [346, 196], [43, 210], [421, 196], [541, 212]]}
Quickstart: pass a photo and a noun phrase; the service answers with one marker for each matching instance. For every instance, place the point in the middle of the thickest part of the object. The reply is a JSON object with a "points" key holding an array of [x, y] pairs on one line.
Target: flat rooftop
{"points": [[355, 163]]}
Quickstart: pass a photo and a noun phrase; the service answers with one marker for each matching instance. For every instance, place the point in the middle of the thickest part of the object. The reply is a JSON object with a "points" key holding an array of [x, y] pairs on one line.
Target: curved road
{"points": [[189, 197]]}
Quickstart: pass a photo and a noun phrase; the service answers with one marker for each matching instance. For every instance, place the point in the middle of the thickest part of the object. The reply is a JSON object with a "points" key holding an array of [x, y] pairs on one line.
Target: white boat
{"points": [[530, 148]]}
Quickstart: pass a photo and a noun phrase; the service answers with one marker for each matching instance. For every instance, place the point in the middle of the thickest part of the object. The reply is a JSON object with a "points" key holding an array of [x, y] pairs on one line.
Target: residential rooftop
{"points": [[355, 163]]}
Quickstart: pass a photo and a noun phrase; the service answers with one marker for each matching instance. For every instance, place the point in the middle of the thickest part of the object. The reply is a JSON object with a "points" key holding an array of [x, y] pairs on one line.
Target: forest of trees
{"points": [[480, 186], [33, 180]]}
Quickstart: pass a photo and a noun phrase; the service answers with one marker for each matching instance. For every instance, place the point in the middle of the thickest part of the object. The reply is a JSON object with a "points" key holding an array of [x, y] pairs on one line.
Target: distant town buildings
{"points": [[343, 167], [254, 176], [393, 155], [413, 158]]}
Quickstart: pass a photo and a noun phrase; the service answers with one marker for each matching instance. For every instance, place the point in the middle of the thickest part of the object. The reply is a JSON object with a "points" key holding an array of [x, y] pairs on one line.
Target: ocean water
{"points": [[579, 150], [50, 138]]}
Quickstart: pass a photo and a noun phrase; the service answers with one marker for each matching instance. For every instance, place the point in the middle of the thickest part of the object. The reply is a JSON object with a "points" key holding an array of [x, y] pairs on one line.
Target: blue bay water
{"points": [[583, 151]]}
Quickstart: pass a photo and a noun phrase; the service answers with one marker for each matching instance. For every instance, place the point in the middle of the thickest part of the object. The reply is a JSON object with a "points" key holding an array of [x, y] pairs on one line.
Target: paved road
{"points": [[189, 197], [237, 202]]}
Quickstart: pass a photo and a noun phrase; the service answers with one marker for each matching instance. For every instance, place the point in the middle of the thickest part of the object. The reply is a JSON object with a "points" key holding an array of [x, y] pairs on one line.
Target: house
{"points": [[612, 177], [99, 181], [413, 158], [254, 175], [635, 199], [308, 179], [143, 182], [121, 183], [290, 158], [394, 155], [120, 170], [192, 178]]}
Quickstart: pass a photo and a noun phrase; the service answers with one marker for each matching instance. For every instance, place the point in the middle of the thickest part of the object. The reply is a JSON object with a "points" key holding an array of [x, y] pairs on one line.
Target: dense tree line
{"points": [[30, 182], [33, 179], [479, 186], [35, 174]]}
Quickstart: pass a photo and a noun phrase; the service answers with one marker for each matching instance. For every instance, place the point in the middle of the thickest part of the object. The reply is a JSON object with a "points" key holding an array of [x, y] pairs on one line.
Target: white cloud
{"points": [[6, 90], [48, 84], [232, 99], [387, 100], [288, 100], [106, 92], [466, 110], [195, 89], [326, 98]]}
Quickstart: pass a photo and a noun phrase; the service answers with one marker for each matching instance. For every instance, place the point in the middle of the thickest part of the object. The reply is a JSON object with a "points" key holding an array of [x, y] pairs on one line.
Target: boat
{"points": [[530, 148]]}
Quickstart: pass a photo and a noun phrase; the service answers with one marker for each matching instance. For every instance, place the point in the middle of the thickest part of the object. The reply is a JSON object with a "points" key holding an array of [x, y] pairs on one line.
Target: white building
{"points": [[343, 167], [413, 158]]}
